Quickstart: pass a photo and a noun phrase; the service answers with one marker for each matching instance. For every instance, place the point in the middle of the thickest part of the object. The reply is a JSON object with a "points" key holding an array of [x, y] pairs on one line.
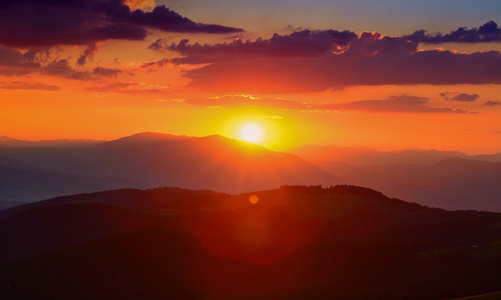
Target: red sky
{"points": [[418, 74]]}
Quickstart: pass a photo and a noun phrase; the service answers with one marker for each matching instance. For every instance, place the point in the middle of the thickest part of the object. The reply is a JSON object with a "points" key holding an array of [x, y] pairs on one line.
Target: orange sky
{"points": [[312, 83]]}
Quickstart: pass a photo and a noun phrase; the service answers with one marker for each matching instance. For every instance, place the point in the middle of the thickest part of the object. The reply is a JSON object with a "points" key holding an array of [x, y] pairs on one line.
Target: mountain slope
{"points": [[212, 162], [297, 242]]}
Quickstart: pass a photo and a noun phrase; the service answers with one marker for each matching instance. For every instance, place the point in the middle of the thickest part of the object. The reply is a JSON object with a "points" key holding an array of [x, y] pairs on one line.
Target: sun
{"points": [[251, 132]]}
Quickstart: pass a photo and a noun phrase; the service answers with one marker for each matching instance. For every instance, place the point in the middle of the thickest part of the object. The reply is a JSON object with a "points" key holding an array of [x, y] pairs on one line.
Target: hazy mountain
{"points": [[364, 156], [212, 162], [4, 204], [26, 185], [436, 178], [452, 183], [297, 242], [12, 142]]}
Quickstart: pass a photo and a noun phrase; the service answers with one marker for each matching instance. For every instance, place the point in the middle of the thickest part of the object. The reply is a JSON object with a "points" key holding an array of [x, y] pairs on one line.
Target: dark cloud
{"points": [[492, 103], [156, 64], [465, 97], [17, 85], [38, 60], [159, 45], [245, 101], [62, 68], [165, 19], [401, 104], [304, 43], [27, 23], [306, 61], [489, 32], [88, 53], [10, 57], [446, 95], [14, 63], [373, 43], [332, 71], [106, 72], [459, 96]]}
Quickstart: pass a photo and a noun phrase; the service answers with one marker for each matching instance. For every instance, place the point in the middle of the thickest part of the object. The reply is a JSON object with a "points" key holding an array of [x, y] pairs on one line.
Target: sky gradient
{"points": [[389, 75]]}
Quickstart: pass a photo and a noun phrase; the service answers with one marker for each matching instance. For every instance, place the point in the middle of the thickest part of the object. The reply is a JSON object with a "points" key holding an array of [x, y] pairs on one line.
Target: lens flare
{"points": [[253, 199]]}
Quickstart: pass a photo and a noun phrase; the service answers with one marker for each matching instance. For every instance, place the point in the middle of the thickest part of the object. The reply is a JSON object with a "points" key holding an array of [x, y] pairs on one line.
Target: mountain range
{"points": [[445, 179]]}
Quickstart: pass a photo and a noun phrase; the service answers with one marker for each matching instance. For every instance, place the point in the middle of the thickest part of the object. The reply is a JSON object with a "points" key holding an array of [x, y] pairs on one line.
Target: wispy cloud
{"points": [[464, 97], [492, 103], [245, 101], [22, 85], [401, 104], [130, 88]]}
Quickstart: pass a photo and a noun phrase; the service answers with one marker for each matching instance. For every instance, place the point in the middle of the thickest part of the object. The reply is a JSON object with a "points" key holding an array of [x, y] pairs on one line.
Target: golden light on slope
{"points": [[251, 132]]}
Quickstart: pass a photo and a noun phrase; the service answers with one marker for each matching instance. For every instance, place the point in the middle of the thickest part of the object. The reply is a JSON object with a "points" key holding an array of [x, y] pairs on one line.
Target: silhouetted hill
{"points": [[296, 242], [158, 198]]}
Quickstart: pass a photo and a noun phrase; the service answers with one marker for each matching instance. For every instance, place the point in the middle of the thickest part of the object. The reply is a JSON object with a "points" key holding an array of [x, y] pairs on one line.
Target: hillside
{"points": [[296, 242]]}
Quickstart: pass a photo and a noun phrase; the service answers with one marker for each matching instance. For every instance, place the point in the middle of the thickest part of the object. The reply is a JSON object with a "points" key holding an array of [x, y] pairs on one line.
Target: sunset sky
{"points": [[385, 74]]}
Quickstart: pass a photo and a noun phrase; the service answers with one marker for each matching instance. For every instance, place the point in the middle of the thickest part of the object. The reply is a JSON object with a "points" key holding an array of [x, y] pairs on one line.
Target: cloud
{"points": [[159, 45], [401, 104], [130, 88], [310, 61], [10, 57], [465, 97], [333, 71], [38, 60], [304, 43], [28, 23], [398, 104], [17, 85], [245, 101], [459, 96], [492, 103], [62, 68], [88, 53], [489, 32], [106, 72]]}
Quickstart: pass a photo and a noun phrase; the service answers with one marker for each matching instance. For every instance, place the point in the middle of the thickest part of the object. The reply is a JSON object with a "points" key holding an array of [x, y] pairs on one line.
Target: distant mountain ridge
{"points": [[445, 179], [212, 162], [12, 142], [365, 156]]}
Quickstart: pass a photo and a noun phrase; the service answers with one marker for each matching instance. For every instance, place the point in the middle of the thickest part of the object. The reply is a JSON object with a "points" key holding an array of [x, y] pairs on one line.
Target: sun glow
{"points": [[251, 132]]}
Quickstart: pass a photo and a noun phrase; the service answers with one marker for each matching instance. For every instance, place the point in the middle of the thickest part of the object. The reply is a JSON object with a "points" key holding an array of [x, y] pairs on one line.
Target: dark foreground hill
{"points": [[296, 242]]}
